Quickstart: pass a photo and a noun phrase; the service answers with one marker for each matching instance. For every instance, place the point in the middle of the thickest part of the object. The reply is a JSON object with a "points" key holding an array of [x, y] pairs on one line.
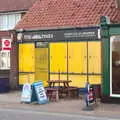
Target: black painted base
{"points": [[108, 99]]}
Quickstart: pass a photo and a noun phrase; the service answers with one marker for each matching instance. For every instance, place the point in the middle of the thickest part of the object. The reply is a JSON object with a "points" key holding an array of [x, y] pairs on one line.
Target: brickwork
{"points": [[12, 74], [14, 67]]}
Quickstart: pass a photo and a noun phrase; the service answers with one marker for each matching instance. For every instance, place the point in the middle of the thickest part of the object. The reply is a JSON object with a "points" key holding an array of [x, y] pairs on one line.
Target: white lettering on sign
{"points": [[6, 44], [36, 36], [79, 34], [40, 92]]}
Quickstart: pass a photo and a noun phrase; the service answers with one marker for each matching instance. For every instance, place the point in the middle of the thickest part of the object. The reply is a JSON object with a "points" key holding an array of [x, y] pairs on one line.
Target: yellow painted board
{"points": [[94, 57], [57, 77], [77, 55], [41, 76], [26, 78], [27, 57], [58, 57], [41, 65], [95, 79], [54, 77], [78, 80]]}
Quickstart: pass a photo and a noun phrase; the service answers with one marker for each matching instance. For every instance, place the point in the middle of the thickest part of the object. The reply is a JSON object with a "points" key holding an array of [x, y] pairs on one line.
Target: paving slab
{"points": [[11, 100]]}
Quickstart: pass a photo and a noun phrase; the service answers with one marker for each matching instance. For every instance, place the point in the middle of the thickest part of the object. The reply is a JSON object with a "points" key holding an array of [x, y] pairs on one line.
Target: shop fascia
{"points": [[92, 33]]}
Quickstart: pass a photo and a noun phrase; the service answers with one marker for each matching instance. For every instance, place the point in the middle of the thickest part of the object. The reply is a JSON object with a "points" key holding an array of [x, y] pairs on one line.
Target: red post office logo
{"points": [[6, 44]]}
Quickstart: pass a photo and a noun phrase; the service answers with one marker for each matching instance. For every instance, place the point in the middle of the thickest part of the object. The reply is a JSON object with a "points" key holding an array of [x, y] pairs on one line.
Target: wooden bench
{"points": [[71, 92], [52, 94]]}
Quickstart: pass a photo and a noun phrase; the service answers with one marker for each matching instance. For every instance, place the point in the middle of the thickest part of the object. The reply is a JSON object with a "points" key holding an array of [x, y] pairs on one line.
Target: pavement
{"points": [[11, 100]]}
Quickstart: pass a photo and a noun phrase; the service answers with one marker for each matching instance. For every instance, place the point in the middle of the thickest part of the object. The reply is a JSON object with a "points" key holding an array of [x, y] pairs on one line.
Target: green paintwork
{"points": [[114, 30], [106, 32], [106, 67]]}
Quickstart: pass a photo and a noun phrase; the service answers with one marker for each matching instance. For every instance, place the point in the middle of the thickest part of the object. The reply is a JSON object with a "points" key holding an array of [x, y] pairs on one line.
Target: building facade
{"points": [[60, 43], [11, 12]]}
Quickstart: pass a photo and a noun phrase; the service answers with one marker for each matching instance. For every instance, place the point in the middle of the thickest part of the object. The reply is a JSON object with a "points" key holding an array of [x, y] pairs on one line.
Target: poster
{"points": [[4, 60], [26, 93], [40, 92]]}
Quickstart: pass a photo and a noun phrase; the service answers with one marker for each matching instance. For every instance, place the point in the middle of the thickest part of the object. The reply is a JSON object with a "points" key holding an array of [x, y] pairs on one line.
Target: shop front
{"points": [[61, 54], [111, 63]]}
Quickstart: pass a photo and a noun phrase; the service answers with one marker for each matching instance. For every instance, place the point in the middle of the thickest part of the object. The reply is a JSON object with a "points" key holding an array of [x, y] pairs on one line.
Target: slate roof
{"points": [[15, 5], [68, 13]]}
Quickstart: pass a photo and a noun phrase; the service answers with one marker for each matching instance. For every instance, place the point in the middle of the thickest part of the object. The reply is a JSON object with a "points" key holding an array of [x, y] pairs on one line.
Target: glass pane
{"points": [[11, 21], [116, 65], [3, 22], [17, 18]]}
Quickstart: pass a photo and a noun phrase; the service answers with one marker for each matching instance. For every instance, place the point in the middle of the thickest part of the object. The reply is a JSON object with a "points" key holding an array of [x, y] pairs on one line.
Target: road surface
{"points": [[31, 114]]}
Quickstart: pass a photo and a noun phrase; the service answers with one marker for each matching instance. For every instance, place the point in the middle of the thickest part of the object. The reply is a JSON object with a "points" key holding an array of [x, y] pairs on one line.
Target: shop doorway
{"points": [[33, 62], [41, 62], [76, 61], [115, 66]]}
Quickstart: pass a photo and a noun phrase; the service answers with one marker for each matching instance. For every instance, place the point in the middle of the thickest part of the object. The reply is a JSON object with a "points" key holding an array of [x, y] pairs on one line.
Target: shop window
{"points": [[41, 44], [4, 60], [115, 63]]}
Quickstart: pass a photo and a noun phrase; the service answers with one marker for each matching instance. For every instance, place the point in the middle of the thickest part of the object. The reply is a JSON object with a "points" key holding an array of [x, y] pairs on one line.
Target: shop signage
{"points": [[4, 60], [40, 92], [63, 34], [26, 93], [6, 44]]}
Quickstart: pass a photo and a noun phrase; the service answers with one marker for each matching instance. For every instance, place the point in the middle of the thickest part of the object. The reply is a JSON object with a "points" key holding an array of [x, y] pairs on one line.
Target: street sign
{"points": [[6, 44]]}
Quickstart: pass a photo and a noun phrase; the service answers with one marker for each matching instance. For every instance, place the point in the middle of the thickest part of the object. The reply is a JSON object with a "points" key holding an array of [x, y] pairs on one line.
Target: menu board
{"points": [[40, 92], [26, 93]]}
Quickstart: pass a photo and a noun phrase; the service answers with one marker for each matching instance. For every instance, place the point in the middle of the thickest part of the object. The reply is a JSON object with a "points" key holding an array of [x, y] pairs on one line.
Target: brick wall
{"points": [[12, 74], [14, 66]]}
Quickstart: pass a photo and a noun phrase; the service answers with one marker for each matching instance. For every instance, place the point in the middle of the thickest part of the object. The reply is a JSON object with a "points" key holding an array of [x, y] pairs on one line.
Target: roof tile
{"points": [[56, 13], [15, 5]]}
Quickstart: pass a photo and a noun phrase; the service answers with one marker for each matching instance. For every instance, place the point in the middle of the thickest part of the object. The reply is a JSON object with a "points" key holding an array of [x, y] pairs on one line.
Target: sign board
{"points": [[26, 93], [73, 34], [6, 44], [4, 60], [40, 92]]}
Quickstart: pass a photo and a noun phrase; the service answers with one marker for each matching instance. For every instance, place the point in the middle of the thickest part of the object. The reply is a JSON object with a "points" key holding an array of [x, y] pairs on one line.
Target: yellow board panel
{"points": [[95, 79], [57, 77], [54, 77], [41, 65], [94, 57], [58, 60], [26, 78], [58, 57], [78, 80], [26, 57], [77, 52]]}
